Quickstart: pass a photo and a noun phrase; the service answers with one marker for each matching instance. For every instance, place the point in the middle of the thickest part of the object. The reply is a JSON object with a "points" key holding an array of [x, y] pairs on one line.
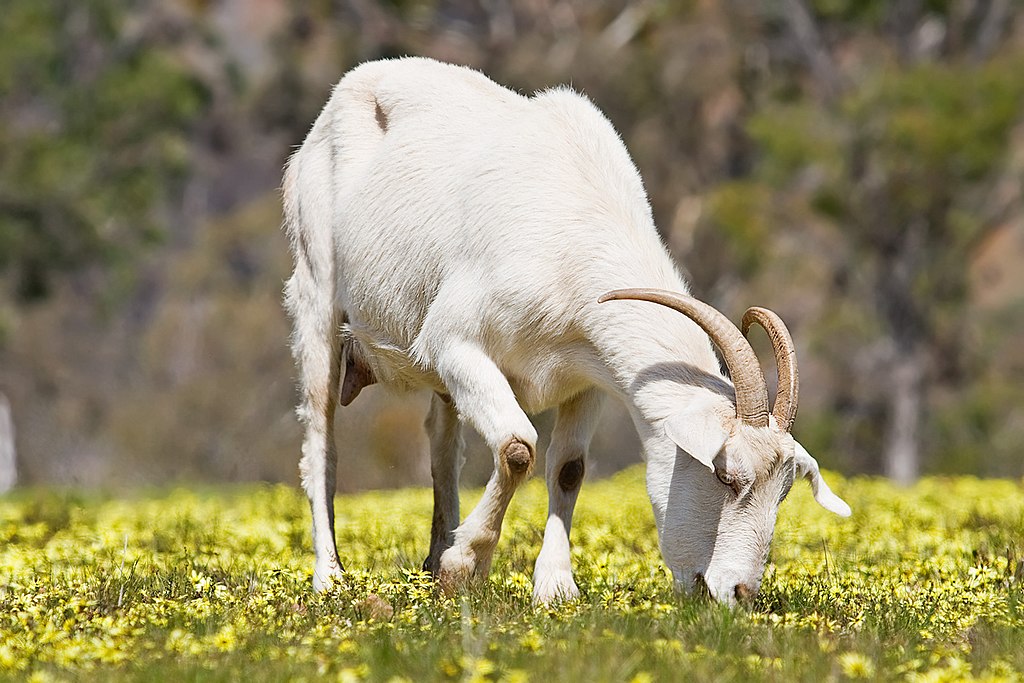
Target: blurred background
{"points": [[856, 166]]}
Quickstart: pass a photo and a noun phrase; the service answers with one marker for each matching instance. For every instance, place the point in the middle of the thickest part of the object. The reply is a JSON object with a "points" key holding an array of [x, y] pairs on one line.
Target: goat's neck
{"points": [[657, 361]]}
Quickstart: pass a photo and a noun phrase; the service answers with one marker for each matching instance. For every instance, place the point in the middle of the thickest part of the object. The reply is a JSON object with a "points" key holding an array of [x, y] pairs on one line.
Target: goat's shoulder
{"points": [[581, 132], [572, 109]]}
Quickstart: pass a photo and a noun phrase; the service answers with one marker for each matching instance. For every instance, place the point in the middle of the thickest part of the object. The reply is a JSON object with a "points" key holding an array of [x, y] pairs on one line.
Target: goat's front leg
{"points": [[484, 398], [446, 460], [566, 463]]}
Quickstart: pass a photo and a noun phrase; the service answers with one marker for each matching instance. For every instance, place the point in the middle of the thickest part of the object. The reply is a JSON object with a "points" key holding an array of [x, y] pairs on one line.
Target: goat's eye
{"points": [[727, 479]]}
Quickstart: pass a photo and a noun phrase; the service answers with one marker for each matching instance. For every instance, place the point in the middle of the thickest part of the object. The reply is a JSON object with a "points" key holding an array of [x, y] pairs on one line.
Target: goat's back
{"points": [[460, 208]]}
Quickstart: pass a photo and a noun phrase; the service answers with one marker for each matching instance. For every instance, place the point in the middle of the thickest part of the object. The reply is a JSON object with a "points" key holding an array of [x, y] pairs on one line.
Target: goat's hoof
{"points": [[456, 570], [554, 587], [325, 579], [432, 565]]}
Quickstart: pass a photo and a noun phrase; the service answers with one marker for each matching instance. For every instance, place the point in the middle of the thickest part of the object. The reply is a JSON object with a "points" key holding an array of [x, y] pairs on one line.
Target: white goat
{"points": [[452, 234]]}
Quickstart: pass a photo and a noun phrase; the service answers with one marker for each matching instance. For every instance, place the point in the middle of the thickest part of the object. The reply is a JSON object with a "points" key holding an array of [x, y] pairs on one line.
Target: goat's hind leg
{"points": [[316, 345], [446, 458]]}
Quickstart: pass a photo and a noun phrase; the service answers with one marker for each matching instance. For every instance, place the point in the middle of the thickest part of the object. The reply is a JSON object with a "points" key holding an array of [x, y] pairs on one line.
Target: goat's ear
{"points": [[698, 430], [807, 467]]}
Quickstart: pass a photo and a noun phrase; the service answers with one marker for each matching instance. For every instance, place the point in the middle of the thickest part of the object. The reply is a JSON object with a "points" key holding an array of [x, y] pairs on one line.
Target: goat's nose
{"points": [[745, 593]]}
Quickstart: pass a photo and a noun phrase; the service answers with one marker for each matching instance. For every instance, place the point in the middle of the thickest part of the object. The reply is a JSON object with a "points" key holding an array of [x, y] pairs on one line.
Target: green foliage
{"points": [[767, 195], [978, 427], [900, 170], [922, 132], [742, 213], [793, 137], [94, 126], [921, 584], [939, 122], [871, 12]]}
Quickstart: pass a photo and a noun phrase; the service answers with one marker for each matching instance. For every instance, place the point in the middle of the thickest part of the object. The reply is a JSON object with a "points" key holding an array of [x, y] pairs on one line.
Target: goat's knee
{"points": [[516, 459]]}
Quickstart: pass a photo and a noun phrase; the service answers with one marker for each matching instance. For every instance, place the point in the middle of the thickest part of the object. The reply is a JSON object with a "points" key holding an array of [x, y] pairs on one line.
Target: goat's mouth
{"points": [[696, 586]]}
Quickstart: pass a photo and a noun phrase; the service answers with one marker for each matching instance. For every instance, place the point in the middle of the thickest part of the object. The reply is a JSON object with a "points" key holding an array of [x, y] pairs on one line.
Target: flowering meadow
{"points": [[214, 584]]}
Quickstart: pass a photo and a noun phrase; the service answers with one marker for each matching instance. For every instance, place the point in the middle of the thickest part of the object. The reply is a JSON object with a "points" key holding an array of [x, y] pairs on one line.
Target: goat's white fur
{"points": [[452, 234]]}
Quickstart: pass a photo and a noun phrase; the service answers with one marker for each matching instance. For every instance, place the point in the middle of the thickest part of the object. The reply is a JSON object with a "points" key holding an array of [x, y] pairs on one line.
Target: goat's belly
{"points": [[394, 366], [545, 379], [537, 387], [546, 373], [536, 397], [534, 393]]}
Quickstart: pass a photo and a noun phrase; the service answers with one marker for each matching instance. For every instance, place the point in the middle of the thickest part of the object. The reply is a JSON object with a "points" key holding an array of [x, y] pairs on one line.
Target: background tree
{"points": [[94, 115], [903, 172], [854, 165]]}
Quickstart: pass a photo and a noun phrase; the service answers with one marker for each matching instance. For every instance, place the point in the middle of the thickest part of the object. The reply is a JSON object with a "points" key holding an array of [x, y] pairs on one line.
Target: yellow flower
{"points": [[9, 661], [531, 641], [349, 676], [225, 640], [856, 665], [477, 669]]}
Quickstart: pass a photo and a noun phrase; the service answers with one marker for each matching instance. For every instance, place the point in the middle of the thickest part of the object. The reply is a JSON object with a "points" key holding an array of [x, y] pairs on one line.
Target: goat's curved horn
{"points": [[787, 398], [751, 389]]}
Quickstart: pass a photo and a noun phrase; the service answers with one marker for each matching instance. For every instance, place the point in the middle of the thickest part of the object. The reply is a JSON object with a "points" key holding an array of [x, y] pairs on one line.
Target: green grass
{"points": [[214, 584]]}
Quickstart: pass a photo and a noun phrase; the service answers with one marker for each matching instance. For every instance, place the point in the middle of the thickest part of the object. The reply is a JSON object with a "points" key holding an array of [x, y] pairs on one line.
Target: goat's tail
{"points": [[345, 135], [310, 293], [316, 341]]}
